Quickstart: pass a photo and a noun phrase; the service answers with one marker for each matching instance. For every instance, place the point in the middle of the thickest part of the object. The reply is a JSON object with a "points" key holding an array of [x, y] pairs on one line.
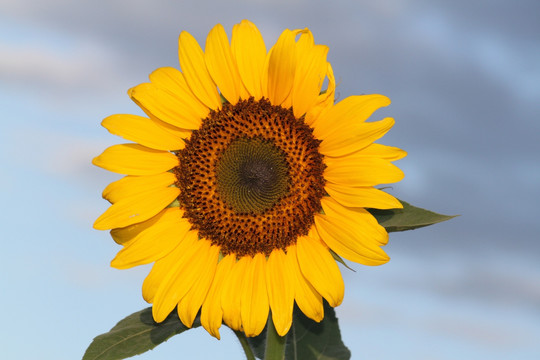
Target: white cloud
{"points": [[52, 67]]}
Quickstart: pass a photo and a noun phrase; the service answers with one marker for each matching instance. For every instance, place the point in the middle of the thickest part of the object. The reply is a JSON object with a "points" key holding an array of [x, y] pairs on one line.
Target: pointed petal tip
{"points": [[215, 333], [399, 205], [335, 302], [104, 122], [384, 100], [156, 315], [118, 264], [96, 161], [99, 224], [114, 264], [283, 330], [403, 154], [188, 322], [183, 34], [246, 22], [159, 313]]}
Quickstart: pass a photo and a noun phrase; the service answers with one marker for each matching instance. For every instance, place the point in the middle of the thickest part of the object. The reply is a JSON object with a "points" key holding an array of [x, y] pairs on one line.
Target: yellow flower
{"points": [[244, 179]]}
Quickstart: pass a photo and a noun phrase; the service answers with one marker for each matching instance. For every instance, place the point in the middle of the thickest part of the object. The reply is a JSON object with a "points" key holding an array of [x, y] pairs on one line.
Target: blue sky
{"points": [[464, 82]]}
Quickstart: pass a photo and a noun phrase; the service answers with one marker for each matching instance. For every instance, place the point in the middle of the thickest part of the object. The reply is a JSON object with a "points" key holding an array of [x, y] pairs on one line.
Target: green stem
{"points": [[245, 345], [275, 344]]}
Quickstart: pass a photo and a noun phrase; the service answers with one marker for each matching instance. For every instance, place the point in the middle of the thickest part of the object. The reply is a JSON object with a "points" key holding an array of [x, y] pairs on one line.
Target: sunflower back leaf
{"points": [[135, 335], [408, 218]]}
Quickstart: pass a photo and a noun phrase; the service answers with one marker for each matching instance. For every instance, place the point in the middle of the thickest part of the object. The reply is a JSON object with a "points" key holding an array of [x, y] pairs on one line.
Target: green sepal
{"points": [[223, 100], [175, 203], [340, 260], [408, 218], [135, 335], [308, 339]]}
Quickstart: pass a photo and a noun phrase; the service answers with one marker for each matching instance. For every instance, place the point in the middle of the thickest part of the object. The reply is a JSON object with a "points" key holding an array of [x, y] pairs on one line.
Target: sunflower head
{"points": [[242, 203]]}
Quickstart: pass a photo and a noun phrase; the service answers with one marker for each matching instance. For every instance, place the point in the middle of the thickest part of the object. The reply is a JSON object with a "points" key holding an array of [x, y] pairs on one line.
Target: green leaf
{"points": [[408, 218], [258, 343], [309, 340], [135, 335]]}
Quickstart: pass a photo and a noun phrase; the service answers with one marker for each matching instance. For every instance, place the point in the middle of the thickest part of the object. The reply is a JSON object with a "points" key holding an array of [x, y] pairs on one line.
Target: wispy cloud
{"points": [[50, 67]]}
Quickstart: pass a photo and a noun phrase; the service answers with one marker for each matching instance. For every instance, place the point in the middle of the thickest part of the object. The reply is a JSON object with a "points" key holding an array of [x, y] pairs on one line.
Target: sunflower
{"points": [[246, 182]]}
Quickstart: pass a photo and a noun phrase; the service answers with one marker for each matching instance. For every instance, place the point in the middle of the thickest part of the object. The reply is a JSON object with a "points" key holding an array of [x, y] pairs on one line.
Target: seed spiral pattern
{"points": [[252, 175]]}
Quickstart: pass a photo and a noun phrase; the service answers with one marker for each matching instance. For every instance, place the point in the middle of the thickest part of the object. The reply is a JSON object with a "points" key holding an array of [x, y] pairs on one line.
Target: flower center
{"points": [[251, 178], [252, 175]]}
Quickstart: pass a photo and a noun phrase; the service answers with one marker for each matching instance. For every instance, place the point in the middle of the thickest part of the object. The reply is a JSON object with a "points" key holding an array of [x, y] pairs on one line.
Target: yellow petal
{"points": [[153, 242], [254, 297], [143, 131], [173, 81], [280, 285], [174, 130], [137, 208], [353, 137], [389, 153], [125, 235], [168, 107], [311, 68], [344, 243], [307, 298], [194, 68], [181, 276], [211, 313], [135, 159], [352, 233], [351, 111], [163, 267], [222, 65], [189, 305], [230, 294], [366, 196], [278, 75], [320, 269], [131, 185], [324, 101], [250, 53], [367, 171], [333, 209]]}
